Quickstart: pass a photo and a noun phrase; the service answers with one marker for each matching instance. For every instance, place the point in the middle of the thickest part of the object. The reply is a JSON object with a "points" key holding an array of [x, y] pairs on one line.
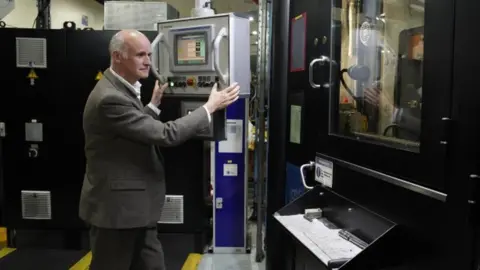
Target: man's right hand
{"points": [[221, 99]]}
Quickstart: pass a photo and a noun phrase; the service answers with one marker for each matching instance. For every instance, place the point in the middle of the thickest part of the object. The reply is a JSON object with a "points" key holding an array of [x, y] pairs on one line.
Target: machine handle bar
{"points": [[216, 47]]}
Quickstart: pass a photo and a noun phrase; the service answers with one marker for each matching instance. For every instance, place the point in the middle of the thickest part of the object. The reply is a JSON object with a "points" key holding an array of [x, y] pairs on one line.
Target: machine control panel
{"points": [[191, 85], [194, 53]]}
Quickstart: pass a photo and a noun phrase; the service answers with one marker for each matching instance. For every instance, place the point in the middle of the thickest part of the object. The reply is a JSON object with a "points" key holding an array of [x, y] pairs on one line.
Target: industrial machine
{"points": [[42, 145], [42, 153], [373, 105], [194, 54]]}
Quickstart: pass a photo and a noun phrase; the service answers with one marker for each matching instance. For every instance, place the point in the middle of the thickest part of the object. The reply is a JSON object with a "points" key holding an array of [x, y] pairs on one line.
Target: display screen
{"points": [[191, 49]]}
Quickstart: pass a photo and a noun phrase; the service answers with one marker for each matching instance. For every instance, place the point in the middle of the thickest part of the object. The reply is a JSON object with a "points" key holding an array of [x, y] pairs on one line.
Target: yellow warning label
{"points": [[32, 74], [99, 76], [229, 161], [299, 17]]}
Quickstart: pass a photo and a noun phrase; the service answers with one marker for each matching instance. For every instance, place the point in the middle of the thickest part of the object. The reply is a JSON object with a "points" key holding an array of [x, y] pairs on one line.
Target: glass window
{"points": [[376, 62]]}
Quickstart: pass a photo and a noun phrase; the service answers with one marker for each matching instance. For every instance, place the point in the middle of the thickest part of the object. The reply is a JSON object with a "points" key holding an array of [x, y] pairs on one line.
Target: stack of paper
{"points": [[325, 243]]}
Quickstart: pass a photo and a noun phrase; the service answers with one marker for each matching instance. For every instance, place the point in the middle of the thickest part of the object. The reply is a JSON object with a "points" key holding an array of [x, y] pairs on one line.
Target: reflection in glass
{"points": [[377, 62]]}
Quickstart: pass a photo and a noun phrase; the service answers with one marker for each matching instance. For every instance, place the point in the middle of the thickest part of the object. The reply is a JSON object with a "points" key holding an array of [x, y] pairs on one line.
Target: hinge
{"points": [[472, 198], [447, 127], [3, 133]]}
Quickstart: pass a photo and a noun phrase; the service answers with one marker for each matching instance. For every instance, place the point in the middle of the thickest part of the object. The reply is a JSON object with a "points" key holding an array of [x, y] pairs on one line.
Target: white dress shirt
{"points": [[136, 88]]}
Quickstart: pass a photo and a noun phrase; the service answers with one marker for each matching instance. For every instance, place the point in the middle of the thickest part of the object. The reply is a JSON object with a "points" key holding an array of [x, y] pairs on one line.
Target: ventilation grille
{"points": [[31, 52], [36, 205], [172, 210]]}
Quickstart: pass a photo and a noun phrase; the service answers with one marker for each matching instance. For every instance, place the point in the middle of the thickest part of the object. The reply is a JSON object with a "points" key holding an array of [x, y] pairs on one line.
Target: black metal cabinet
{"points": [[306, 26], [380, 74], [33, 122], [464, 185], [387, 86]]}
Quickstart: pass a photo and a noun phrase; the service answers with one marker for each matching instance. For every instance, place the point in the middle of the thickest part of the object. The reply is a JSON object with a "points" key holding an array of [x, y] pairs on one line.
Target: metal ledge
{"points": [[389, 179]]}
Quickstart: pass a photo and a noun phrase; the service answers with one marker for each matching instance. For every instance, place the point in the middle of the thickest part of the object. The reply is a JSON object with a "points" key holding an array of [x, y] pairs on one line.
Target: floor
{"points": [[233, 261], [230, 262]]}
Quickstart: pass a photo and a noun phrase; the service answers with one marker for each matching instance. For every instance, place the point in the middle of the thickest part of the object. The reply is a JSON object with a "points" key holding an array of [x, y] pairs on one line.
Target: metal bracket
{"points": [[472, 199], [3, 133], [473, 190], [447, 126]]}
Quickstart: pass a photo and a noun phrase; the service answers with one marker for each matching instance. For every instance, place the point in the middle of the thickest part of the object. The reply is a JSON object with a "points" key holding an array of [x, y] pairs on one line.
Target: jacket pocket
{"points": [[125, 185]]}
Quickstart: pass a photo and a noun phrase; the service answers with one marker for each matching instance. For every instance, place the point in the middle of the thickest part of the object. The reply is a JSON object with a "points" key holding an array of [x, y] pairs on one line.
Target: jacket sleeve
{"points": [[121, 117], [149, 111]]}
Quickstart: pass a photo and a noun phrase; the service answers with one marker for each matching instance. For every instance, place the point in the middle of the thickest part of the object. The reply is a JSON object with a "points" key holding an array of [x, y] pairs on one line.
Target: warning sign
{"points": [[99, 76], [32, 74]]}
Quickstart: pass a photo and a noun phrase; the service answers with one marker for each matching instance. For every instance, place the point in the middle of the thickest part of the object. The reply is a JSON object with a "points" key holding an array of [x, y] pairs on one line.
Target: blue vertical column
{"points": [[230, 183]]}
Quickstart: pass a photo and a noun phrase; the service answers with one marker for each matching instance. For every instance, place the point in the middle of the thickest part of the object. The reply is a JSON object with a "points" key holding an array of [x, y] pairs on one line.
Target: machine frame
{"points": [[227, 46], [431, 195]]}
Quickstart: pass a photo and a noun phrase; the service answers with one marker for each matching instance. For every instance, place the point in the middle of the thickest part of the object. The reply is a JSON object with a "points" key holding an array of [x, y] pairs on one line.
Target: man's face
{"points": [[135, 61]]}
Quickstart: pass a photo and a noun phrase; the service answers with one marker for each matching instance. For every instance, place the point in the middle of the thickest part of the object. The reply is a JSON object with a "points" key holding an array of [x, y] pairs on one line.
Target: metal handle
{"points": [[216, 48], [159, 38], [309, 165], [323, 59]]}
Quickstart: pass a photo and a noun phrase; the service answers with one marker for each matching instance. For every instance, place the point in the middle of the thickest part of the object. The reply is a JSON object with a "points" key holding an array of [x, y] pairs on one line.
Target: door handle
{"points": [[323, 60]]}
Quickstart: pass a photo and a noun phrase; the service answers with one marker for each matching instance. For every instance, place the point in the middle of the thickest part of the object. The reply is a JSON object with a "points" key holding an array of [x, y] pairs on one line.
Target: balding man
{"points": [[124, 186]]}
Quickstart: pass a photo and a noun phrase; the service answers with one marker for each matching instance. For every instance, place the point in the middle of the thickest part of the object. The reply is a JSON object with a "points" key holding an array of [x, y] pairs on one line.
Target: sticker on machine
{"points": [[324, 171], [234, 141], [230, 170]]}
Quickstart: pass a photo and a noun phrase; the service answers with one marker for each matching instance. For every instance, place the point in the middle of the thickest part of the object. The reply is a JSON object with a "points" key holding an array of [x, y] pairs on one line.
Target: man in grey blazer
{"points": [[124, 186]]}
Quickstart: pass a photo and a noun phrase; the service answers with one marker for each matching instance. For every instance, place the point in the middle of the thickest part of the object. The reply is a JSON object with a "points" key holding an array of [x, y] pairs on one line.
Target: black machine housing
{"points": [[425, 193], [42, 147]]}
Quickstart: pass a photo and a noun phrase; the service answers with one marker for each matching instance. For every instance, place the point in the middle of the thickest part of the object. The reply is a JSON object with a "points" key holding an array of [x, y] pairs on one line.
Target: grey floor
{"points": [[233, 261], [230, 262]]}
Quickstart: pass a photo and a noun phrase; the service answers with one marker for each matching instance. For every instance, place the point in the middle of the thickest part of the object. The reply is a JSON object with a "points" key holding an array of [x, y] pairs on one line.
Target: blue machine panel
{"points": [[230, 185], [294, 186]]}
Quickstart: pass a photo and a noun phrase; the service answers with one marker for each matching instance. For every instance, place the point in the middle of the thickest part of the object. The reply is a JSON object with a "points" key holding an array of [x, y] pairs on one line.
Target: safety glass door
{"points": [[389, 86]]}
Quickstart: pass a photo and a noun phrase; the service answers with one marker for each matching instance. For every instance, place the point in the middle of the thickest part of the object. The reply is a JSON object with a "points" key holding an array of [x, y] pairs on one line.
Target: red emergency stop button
{"points": [[190, 82]]}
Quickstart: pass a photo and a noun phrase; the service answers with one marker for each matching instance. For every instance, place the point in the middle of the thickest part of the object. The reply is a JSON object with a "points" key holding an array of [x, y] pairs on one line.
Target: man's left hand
{"points": [[158, 93]]}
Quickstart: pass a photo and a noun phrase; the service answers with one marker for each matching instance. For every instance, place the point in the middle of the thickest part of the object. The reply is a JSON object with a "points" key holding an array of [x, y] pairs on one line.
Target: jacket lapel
{"points": [[122, 87], [127, 91]]}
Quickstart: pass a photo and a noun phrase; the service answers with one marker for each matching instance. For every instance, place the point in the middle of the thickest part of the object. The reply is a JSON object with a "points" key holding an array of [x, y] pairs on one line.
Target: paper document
{"points": [[325, 243]]}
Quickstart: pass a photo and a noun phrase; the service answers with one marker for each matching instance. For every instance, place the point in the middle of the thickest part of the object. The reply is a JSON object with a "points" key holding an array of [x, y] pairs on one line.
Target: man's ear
{"points": [[117, 56]]}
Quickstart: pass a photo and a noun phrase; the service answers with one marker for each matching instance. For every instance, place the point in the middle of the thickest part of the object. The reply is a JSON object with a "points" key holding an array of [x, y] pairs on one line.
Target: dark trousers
{"points": [[126, 249]]}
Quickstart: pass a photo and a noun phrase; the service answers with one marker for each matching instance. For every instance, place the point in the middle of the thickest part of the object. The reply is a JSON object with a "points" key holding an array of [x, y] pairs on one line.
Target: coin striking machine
{"points": [[193, 54]]}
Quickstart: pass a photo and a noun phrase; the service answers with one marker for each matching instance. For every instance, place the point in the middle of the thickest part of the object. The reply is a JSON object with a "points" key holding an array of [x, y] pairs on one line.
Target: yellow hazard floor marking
{"points": [[192, 262], [84, 262], [5, 251]]}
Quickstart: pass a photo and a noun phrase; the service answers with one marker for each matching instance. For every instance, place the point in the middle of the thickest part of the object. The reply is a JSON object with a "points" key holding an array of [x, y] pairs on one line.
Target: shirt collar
{"points": [[135, 87]]}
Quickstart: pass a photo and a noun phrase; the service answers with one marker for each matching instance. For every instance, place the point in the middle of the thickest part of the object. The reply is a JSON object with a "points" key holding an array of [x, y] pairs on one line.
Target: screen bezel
{"points": [[204, 34]]}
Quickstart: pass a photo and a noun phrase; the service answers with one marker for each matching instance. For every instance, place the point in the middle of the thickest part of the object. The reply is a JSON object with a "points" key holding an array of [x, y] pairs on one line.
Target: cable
{"points": [[310, 166], [40, 13], [385, 131], [342, 80]]}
